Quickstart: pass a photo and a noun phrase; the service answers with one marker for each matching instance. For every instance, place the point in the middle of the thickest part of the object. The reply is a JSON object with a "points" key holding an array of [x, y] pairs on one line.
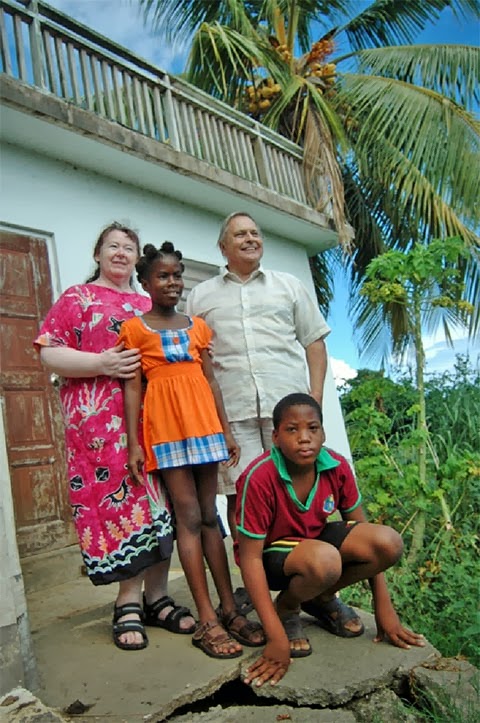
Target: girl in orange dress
{"points": [[186, 434]]}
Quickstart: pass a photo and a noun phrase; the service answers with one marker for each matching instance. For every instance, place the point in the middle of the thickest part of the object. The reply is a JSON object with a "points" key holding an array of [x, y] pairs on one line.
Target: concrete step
{"points": [[49, 569]]}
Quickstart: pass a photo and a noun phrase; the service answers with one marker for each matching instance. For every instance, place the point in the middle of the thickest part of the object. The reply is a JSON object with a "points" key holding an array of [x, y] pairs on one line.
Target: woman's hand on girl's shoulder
{"points": [[120, 362], [136, 459], [233, 451]]}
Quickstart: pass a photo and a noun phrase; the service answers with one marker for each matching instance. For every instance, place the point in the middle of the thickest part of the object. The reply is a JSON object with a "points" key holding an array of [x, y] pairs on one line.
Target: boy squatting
{"points": [[284, 500]]}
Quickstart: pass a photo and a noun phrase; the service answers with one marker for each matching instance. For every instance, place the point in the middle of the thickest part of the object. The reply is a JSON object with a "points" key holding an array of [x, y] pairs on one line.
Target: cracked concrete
{"points": [[252, 714], [341, 669], [78, 662]]}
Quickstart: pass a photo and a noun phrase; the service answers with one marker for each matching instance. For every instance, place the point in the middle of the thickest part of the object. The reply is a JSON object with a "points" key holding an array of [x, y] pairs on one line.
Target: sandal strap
{"points": [[204, 631], [128, 609], [228, 618], [336, 605], [246, 628], [293, 627], [177, 613], [129, 626], [159, 605]]}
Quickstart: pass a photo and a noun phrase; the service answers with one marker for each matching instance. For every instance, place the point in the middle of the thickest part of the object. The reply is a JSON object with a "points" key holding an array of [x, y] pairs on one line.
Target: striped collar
{"points": [[323, 462]]}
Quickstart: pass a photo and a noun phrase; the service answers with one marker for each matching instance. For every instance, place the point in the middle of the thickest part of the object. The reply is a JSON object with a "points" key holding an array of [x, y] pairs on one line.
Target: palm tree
{"points": [[389, 124]]}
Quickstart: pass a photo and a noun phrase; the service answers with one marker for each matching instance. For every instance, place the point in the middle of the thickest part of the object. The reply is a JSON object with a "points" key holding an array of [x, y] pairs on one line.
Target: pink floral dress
{"points": [[122, 529]]}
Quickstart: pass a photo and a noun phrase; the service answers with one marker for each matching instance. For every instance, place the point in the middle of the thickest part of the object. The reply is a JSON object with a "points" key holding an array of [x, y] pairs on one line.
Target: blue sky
{"points": [[121, 21]]}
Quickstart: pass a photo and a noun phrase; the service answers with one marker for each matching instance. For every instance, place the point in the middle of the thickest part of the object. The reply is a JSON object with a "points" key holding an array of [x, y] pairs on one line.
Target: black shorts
{"points": [[275, 555]]}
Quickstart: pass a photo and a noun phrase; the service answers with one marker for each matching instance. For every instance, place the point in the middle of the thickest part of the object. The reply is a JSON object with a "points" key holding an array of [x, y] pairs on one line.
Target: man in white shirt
{"points": [[260, 320]]}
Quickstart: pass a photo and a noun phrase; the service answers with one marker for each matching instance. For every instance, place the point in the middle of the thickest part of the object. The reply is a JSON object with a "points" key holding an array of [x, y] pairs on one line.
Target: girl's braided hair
{"points": [[152, 254]]}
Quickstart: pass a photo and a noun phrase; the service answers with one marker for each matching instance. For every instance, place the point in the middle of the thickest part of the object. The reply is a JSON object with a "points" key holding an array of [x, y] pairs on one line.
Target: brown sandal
{"points": [[205, 639], [244, 630]]}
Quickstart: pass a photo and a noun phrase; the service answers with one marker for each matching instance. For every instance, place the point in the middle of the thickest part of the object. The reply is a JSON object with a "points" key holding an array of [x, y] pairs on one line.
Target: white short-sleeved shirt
{"points": [[259, 328]]}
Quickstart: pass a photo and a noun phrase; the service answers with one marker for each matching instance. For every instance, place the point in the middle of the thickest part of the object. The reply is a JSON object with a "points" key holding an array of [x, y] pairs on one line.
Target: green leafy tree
{"points": [[413, 287], [441, 584], [453, 410], [388, 124]]}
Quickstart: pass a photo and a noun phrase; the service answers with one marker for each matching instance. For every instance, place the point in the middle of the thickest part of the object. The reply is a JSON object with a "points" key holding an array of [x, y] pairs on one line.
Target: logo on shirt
{"points": [[329, 504]]}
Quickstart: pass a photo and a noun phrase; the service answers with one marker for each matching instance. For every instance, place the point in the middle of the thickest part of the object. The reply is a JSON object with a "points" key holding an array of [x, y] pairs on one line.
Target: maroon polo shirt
{"points": [[268, 508]]}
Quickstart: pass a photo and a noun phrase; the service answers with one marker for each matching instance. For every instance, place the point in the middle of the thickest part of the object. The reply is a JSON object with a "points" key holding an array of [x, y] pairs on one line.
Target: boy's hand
{"points": [[136, 458], [389, 625], [233, 451], [271, 665]]}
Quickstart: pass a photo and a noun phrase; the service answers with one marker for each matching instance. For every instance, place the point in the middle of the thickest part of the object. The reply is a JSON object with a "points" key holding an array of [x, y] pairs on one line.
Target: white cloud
{"points": [[121, 21], [440, 357], [341, 371]]}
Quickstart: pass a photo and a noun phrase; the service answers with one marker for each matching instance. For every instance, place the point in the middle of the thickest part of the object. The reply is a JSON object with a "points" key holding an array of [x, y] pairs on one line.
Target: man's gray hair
{"points": [[229, 218]]}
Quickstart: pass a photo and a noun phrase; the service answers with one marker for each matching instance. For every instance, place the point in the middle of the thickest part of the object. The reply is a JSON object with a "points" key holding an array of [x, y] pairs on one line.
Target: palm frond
{"points": [[320, 162], [178, 21], [410, 137], [389, 22], [365, 213], [309, 14], [471, 274], [450, 70], [222, 59], [373, 329], [323, 267]]}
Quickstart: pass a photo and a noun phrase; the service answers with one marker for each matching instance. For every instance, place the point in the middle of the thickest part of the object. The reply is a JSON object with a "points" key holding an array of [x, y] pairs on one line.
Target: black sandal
{"points": [[128, 626], [293, 627], [244, 630], [322, 612], [242, 601], [170, 622]]}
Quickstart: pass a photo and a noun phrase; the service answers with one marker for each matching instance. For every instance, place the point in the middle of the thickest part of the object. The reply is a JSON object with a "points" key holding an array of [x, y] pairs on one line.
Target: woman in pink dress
{"points": [[125, 530]]}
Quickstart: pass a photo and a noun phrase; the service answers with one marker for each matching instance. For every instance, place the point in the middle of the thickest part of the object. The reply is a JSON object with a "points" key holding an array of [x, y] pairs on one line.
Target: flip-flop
{"points": [[322, 612], [170, 622], [294, 629]]}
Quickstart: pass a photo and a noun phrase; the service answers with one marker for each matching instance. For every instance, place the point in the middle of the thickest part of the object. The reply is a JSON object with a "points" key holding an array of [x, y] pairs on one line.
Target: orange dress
{"points": [[180, 421]]}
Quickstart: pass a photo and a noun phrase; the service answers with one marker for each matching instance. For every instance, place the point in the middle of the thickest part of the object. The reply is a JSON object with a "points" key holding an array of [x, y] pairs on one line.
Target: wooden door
{"points": [[30, 404]]}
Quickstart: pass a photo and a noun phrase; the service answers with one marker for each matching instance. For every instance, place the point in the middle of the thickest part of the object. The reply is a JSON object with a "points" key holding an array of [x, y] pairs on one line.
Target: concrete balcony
{"points": [[72, 94]]}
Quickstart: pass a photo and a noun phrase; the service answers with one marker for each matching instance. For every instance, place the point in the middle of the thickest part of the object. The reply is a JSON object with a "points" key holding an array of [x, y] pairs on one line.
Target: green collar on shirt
{"points": [[323, 462]]}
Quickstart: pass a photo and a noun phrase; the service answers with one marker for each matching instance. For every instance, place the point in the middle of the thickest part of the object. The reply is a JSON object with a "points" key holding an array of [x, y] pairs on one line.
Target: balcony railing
{"points": [[44, 48]]}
